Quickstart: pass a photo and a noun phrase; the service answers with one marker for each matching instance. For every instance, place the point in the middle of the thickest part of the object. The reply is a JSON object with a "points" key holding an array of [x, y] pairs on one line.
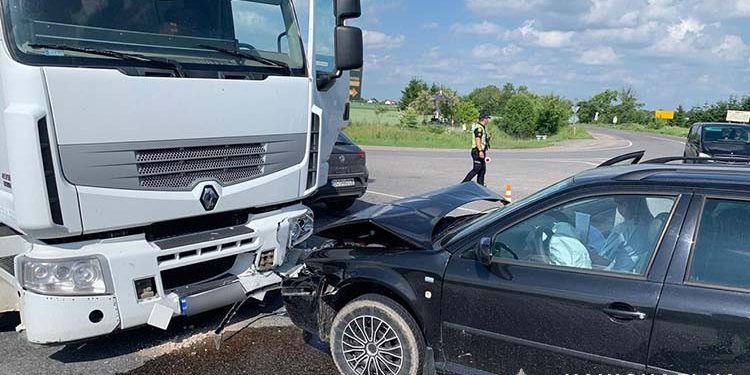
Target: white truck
{"points": [[154, 153]]}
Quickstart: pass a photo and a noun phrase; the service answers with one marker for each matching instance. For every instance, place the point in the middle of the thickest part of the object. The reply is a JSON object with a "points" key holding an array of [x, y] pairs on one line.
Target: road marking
{"points": [[682, 143], [398, 197], [558, 161]]}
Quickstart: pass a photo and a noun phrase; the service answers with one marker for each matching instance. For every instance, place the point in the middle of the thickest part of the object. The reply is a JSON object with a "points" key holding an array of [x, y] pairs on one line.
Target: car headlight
{"points": [[702, 155], [70, 277], [301, 228]]}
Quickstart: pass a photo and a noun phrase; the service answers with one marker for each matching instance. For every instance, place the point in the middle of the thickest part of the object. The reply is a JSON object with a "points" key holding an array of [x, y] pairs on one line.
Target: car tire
{"points": [[354, 347], [9, 320], [340, 205]]}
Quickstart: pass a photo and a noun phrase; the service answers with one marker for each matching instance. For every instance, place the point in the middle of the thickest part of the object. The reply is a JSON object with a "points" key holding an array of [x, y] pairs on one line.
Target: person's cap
{"points": [[485, 115]]}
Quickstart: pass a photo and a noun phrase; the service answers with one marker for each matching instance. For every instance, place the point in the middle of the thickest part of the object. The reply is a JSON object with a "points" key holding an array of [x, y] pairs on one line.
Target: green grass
{"points": [[366, 113], [374, 134], [665, 130]]}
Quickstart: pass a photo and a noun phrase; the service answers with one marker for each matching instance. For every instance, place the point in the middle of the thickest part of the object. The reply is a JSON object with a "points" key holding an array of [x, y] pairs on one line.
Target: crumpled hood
{"points": [[411, 220]]}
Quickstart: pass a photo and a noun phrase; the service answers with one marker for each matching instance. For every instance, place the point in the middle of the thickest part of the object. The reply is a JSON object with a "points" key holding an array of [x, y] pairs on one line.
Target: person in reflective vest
{"points": [[480, 143]]}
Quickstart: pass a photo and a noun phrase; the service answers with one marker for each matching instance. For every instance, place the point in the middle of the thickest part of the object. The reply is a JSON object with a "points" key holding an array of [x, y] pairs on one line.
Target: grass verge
{"points": [[664, 130], [376, 134]]}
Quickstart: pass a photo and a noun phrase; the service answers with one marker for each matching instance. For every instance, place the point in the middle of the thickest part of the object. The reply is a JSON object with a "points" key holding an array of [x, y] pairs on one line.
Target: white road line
{"points": [[557, 161], [398, 197], [666, 139]]}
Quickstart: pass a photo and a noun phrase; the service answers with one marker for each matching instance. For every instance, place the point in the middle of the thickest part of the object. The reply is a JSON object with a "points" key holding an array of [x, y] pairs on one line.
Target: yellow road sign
{"points": [[665, 115]]}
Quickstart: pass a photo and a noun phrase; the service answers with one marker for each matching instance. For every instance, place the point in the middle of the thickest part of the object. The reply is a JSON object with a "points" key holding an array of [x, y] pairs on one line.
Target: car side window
{"points": [[721, 254], [615, 233]]}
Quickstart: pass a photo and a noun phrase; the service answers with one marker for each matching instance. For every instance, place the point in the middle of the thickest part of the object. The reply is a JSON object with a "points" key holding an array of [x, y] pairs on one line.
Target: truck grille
{"points": [[183, 167]]}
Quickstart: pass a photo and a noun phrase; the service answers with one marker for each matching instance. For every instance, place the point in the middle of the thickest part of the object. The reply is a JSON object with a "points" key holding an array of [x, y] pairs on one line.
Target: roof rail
{"points": [[634, 157], [730, 160]]}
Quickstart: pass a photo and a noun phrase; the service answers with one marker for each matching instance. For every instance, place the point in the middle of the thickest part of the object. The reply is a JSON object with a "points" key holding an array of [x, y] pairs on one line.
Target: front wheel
{"points": [[374, 335]]}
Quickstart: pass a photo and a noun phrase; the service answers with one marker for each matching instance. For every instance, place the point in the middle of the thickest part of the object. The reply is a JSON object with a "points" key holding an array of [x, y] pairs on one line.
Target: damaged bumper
{"points": [[149, 283], [302, 298]]}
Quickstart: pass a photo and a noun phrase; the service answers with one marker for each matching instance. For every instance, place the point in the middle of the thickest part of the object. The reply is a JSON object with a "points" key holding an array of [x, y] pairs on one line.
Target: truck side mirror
{"points": [[347, 9], [484, 251], [349, 48]]}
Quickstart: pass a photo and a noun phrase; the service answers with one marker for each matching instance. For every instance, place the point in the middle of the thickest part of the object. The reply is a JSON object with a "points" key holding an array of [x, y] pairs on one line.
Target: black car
{"points": [[718, 140], [347, 176], [638, 268]]}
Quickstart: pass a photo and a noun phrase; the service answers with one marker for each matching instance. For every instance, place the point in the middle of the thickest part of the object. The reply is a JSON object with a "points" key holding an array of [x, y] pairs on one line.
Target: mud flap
{"points": [[429, 362]]}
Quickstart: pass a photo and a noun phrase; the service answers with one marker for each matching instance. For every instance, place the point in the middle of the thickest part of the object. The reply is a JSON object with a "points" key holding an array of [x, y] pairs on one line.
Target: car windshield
{"points": [[472, 225], [210, 35], [726, 133]]}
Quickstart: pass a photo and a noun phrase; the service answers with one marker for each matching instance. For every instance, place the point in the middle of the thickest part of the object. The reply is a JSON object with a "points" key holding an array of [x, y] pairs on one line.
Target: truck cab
{"points": [[155, 153]]}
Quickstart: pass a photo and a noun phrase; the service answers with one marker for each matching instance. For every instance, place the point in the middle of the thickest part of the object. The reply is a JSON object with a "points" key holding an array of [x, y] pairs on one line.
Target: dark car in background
{"points": [[347, 176], [638, 268], [718, 140]]}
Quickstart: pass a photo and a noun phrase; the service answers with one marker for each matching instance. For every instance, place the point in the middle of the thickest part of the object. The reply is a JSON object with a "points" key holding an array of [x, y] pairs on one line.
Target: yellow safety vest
{"points": [[479, 131]]}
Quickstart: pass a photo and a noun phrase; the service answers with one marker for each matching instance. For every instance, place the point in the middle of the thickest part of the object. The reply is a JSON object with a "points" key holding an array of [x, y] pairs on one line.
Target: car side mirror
{"points": [[349, 48], [484, 251], [347, 9]]}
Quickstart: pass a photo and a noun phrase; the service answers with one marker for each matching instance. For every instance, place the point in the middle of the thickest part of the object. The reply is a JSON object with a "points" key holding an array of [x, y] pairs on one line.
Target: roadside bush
{"points": [[554, 113], [520, 118], [466, 112], [409, 118], [436, 129]]}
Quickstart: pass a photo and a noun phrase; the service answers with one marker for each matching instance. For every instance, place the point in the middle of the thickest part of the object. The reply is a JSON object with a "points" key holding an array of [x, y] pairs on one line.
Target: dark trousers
{"points": [[479, 169]]}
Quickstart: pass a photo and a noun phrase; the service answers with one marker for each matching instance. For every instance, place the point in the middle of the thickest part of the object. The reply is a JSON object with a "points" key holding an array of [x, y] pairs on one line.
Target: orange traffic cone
{"points": [[508, 193]]}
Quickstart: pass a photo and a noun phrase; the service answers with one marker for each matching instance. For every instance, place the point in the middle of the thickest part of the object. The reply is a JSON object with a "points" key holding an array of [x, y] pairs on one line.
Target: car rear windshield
{"points": [[726, 133]]}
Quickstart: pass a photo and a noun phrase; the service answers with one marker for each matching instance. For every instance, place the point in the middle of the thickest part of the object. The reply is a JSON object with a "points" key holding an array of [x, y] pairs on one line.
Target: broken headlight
{"points": [[301, 228], [66, 277]]}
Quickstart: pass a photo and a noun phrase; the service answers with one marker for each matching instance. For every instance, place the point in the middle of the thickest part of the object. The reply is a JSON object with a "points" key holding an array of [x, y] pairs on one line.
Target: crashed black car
{"points": [[622, 269]]}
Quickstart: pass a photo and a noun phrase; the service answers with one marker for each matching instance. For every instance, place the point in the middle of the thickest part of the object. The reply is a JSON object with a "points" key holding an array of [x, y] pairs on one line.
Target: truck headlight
{"points": [[301, 228], [73, 277]]}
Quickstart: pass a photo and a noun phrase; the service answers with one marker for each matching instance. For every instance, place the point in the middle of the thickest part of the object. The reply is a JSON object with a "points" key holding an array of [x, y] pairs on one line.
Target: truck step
{"points": [[6, 264]]}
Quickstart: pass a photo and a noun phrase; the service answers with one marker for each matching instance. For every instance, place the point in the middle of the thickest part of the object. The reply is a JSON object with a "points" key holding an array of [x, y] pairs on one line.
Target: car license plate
{"points": [[347, 182]]}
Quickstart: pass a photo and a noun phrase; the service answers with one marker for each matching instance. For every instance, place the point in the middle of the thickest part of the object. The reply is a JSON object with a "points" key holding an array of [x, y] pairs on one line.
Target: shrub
{"points": [[520, 119]]}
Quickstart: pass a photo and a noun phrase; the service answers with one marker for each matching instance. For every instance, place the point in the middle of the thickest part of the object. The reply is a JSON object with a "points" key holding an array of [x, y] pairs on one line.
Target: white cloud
{"points": [[491, 52], [494, 6], [732, 48], [379, 40], [548, 39], [482, 28], [430, 26], [599, 56], [680, 38]]}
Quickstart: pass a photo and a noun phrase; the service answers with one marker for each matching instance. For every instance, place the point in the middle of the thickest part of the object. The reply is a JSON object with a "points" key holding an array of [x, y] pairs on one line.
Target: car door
{"points": [[565, 309], [691, 147], [703, 319]]}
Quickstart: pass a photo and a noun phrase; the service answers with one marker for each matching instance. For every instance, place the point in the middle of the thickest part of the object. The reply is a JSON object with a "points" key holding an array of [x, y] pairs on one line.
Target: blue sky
{"points": [[670, 51]]}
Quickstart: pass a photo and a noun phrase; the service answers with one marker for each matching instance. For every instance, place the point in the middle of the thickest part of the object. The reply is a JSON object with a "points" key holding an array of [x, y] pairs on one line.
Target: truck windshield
{"points": [[200, 35]]}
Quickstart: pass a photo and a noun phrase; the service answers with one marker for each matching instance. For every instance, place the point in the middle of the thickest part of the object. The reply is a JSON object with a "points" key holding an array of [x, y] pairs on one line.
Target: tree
{"points": [[520, 119], [411, 92], [680, 117], [466, 112], [488, 99], [629, 109], [602, 103]]}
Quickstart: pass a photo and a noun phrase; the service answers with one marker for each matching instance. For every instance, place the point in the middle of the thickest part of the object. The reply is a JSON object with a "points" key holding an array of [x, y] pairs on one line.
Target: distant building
{"points": [[390, 102], [355, 85]]}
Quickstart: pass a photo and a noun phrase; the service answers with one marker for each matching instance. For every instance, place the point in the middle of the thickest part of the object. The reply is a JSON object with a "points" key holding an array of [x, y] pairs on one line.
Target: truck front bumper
{"points": [[259, 252]]}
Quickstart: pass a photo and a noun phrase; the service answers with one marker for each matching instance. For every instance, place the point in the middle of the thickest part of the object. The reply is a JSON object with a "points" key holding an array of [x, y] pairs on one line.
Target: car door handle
{"points": [[619, 313]]}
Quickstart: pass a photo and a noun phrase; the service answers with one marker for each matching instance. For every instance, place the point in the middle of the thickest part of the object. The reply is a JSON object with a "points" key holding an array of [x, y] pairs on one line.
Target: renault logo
{"points": [[209, 198], [342, 158]]}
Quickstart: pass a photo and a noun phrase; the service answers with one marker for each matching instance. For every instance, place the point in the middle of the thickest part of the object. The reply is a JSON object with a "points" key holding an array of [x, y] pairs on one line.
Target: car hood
{"points": [[727, 148], [410, 220]]}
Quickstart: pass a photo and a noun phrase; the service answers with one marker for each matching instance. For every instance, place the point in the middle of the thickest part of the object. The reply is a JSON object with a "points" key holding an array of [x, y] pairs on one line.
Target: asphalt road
{"points": [[262, 341]]}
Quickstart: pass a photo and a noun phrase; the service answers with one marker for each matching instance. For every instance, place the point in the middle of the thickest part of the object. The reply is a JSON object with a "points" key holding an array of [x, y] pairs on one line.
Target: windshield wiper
{"points": [[247, 56], [157, 61]]}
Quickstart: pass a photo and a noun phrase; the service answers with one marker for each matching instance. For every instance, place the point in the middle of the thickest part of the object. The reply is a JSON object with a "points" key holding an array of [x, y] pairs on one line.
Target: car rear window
{"points": [[721, 255]]}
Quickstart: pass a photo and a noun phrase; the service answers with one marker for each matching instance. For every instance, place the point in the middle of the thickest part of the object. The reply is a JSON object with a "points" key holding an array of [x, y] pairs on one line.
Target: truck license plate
{"points": [[347, 182]]}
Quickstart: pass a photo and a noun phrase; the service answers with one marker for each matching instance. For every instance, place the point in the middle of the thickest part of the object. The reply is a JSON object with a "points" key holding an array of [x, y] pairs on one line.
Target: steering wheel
{"points": [[543, 248]]}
